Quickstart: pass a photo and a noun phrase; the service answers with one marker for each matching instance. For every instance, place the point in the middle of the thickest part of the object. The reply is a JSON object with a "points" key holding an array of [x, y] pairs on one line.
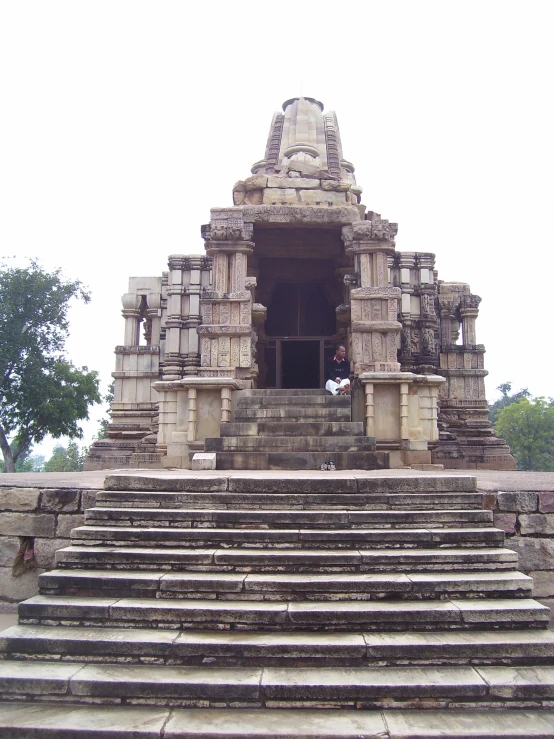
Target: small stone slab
{"points": [[475, 724], [133, 556], [224, 582], [28, 678], [283, 557], [334, 583], [472, 646], [271, 644], [357, 684], [67, 606], [501, 610], [204, 461], [531, 683], [367, 612], [87, 640], [165, 483], [218, 611], [46, 721], [151, 681], [277, 724]]}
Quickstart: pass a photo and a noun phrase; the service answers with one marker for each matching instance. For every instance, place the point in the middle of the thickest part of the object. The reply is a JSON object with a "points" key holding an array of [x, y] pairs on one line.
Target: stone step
{"points": [[291, 413], [319, 615], [277, 687], [301, 460], [293, 428], [290, 537], [297, 648], [298, 401], [287, 560], [319, 483], [283, 444], [51, 721], [291, 501], [285, 586], [205, 518]]}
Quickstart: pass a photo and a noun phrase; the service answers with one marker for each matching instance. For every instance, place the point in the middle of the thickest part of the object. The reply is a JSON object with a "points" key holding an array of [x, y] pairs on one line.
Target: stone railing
{"points": [[45, 514], [528, 520]]}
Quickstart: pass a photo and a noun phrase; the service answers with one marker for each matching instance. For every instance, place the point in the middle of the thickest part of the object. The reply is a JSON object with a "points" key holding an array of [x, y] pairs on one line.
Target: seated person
{"points": [[337, 372]]}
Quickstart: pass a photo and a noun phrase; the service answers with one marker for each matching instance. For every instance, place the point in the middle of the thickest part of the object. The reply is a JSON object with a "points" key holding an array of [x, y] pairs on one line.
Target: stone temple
{"points": [[225, 352]]}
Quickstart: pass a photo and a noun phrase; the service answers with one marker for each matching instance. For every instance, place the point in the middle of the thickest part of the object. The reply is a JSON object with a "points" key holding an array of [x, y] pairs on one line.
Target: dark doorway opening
{"points": [[300, 365]]}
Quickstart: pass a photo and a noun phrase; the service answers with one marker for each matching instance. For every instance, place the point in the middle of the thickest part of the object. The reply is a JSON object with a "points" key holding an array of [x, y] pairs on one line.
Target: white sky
{"points": [[123, 122]]}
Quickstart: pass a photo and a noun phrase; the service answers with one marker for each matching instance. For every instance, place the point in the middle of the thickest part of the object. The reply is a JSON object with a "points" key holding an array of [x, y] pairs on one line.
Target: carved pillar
{"points": [[226, 333], [369, 409], [187, 277], [191, 432], [375, 327], [469, 310]]}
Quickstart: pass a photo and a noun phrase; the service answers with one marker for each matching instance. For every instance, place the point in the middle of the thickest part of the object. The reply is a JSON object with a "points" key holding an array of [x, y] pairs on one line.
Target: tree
{"points": [[506, 400], [528, 427], [105, 422], [41, 392], [66, 459]]}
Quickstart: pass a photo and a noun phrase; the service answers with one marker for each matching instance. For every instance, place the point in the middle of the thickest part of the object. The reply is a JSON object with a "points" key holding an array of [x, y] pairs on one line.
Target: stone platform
{"points": [[285, 605]]}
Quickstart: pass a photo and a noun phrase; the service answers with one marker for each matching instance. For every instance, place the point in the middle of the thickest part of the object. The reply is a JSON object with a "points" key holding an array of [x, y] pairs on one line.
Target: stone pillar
{"points": [[466, 438], [374, 305], [188, 276], [226, 333], [131, 314]]}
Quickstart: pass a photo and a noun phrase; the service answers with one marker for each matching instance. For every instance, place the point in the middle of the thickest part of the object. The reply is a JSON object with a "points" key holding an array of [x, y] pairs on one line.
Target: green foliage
{"points": [[528, 427], [507, 399], [66, 459], [41, 392], [105, 422]]}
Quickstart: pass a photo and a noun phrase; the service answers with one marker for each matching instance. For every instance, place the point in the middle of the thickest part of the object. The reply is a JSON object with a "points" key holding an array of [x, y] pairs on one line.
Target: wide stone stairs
{"points": [[294, 430], [249, 606]]}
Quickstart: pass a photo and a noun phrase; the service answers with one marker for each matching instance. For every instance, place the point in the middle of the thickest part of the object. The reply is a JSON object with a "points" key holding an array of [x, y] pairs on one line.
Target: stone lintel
{"points": [[461, 348], [226, 329], [463, 372], [200, 383], [311, 215], [133, 349], [233, 247], [372, 247], [213, 297], [382, 293], [366, 327], [397, 377]]}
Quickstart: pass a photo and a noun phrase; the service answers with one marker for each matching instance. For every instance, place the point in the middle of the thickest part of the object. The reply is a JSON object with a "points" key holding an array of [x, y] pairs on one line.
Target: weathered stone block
{"points": [[257, 182], [341, 186], [204, 461], [543, 583], [301, 183], [45, 550], [60, 500], [321, 197], [67, 523], [27, 524], [489, 501], [517, 502], [275, 195], [534, 554], [546, 502], [16, 589], [537, 523], [8, 550], [88, 499], [18, 499], [506, 522]]}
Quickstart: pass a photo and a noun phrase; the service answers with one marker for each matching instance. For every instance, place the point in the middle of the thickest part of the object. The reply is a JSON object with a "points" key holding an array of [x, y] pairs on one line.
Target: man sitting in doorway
{"points": [[337, 372]]}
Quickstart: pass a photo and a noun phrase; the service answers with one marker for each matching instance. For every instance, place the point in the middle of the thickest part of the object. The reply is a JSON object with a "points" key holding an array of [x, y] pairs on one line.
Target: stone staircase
{"points": [[268, 606], [294, 430]]}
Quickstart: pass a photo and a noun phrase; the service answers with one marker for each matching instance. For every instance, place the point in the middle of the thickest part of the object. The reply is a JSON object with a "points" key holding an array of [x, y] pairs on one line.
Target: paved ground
{"points": [[487, 479]]}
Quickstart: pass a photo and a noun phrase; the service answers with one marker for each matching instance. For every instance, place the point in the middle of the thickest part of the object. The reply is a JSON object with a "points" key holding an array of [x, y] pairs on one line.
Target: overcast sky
{"points": [[123, 122]]}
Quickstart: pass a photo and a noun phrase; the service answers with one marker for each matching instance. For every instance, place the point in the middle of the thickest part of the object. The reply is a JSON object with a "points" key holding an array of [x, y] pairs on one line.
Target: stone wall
{"points": [[48, 515], [528, 520]]}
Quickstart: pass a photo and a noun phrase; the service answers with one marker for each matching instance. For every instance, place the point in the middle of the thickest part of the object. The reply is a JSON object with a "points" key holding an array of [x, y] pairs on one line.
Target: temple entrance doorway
{"points": [[299, 274]]}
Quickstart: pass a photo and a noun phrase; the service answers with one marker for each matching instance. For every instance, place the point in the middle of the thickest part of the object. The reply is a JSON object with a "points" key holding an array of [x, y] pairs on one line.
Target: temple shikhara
{"points": [[224, 353]]}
